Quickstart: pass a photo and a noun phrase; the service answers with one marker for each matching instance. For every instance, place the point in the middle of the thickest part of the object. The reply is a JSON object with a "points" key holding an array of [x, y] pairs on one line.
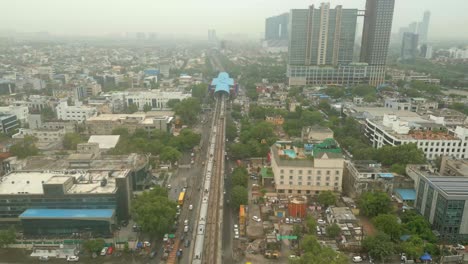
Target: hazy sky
{"points": [[194, 17]]}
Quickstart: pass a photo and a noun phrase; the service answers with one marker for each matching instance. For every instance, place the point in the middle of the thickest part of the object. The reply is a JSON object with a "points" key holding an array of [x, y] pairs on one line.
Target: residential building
{"points": [[8, 123], [434, 140], [46, 139], [155, 99], [415, 104], [366, 176], [78, 113], [21, 112], [409, 46], [376, 36], [104, 124], [275, 120], [297, 173], [315, 134], [443, 201], [321, 47]]}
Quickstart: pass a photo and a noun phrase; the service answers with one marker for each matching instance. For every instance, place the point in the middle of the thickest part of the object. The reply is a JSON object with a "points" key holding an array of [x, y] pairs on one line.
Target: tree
{"points": [[131, 108], [327, 198], [413, 247], [333, 230], [154, 211], [231, 130], [316, 253], [239, 196], [170, 154], [186, 140], [388, 224], [240, 177], [311, 224], [297, 231], [402, 154], [123, 132], [374, 203], [239, 151], [379, 246], [188, 110], [199, 90], [71, 140], [416, 224], [7, 237], [94, 245], [147, 108], [171, 103], [25, 148]]}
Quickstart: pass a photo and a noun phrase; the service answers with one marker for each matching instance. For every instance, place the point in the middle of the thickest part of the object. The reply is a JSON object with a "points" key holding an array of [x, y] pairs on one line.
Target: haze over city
{"points": [[193, 18]]}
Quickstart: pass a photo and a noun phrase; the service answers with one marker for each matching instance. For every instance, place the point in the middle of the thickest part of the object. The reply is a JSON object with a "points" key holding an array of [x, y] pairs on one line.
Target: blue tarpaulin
{"points": [[426, 257]]}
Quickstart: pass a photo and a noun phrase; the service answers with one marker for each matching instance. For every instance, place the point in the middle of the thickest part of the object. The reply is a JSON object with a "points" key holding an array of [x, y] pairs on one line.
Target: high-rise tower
{"points": [[376, 36], [424, 27]]}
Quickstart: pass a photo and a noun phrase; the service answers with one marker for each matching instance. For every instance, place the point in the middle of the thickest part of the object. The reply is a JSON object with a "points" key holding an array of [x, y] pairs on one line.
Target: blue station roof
{"points": [[67, 214], [406, 194], [222, 82]]}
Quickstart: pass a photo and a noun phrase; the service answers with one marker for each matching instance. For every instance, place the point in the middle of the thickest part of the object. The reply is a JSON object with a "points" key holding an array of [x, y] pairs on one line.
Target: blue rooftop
{"points": [[406, 194], [66, 213], [222, 82], [151, 72], [385, 175]]}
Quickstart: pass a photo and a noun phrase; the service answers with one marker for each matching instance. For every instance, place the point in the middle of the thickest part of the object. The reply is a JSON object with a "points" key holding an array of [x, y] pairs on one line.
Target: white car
{"points": [[236, 236], [104, 251], [357, 259], [186, 222], [321, 222], [190, 207], [165, 238], [287, 221], [256, 219], [73, 258], [236, 227], [186, 228], [460, 247]]}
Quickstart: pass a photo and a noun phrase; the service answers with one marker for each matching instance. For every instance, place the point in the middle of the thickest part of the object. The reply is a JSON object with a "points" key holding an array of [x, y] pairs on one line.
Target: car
{"points": [[169, 186], [236, 227], [110, 250], [403, 257], [292, 257], [43, 258], [236, 231], [104, 251], [236, 236], [73, 258], [193, 154], [256, 219], [165, 238], [460, 247], [357, 259], [124, 223], [186, 228], [190, 207], [184, 189], [287, 221], [186, 222], [297, 220], [321, 222], [153, 254], [187, 243]]}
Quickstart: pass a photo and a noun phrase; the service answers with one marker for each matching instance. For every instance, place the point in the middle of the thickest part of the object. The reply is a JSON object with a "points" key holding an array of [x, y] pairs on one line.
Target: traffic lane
{"points": [[229, 221]]}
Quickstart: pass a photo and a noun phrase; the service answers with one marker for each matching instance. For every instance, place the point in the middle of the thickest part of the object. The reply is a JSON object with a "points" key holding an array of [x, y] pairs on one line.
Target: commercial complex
{"points": [[433, 139], [443, 202], [157, 100], [423, 27], [277, 33], [104, 124], [78, 113], [308, 170], [8, 123], [21, 112]]}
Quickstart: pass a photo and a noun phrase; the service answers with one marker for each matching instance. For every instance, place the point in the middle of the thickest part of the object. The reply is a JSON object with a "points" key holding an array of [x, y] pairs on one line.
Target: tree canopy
{"points": [[374, 203], [94, 245], [314, 252], [388, 224], [239, 195], [7, 237], [380, 247], [240, 177], [327, 198], [188, 110], [25, 148], [71, 140], [154, 211]]}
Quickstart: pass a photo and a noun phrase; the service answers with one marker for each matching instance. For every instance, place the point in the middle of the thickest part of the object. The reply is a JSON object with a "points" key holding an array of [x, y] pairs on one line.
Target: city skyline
{"points": [[242, 17]]}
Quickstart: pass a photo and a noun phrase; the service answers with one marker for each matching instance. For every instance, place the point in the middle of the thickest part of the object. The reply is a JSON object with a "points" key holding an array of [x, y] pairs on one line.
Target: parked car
{"points": [[297, 220], [110, 250], [104, 251], [165, 238], [186, 228], [43, 258], [186, 222], [73, 258], [287, 221], [187, 243], [460, 247], [256, 219], [190, 207], [236, 227], [357, 259], [124, 223], [236, 236], [182, 237], [321, 222]]}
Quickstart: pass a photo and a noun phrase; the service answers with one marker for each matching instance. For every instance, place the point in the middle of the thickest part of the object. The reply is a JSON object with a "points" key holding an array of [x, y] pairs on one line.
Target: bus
{"points": [[181, 198]]}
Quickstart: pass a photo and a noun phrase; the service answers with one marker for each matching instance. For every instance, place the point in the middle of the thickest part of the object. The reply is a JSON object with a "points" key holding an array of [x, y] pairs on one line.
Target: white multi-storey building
{"points": [[156, 99], [78, 113], [20, 111], [433, 141]]}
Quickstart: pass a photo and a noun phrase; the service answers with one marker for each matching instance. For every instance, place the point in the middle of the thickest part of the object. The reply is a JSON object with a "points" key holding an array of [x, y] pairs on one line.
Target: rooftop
{"points": [[105, 141], [97, 214], [31, 182], [406, 194], [451, 187]]}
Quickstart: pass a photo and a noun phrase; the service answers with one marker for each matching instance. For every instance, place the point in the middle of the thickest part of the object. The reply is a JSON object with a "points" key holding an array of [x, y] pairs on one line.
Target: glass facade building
{"points": [[276, 27]]}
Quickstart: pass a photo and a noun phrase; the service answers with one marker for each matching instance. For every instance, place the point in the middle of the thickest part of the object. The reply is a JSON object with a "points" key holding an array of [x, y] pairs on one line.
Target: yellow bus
{"points": [[181, 198]]}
